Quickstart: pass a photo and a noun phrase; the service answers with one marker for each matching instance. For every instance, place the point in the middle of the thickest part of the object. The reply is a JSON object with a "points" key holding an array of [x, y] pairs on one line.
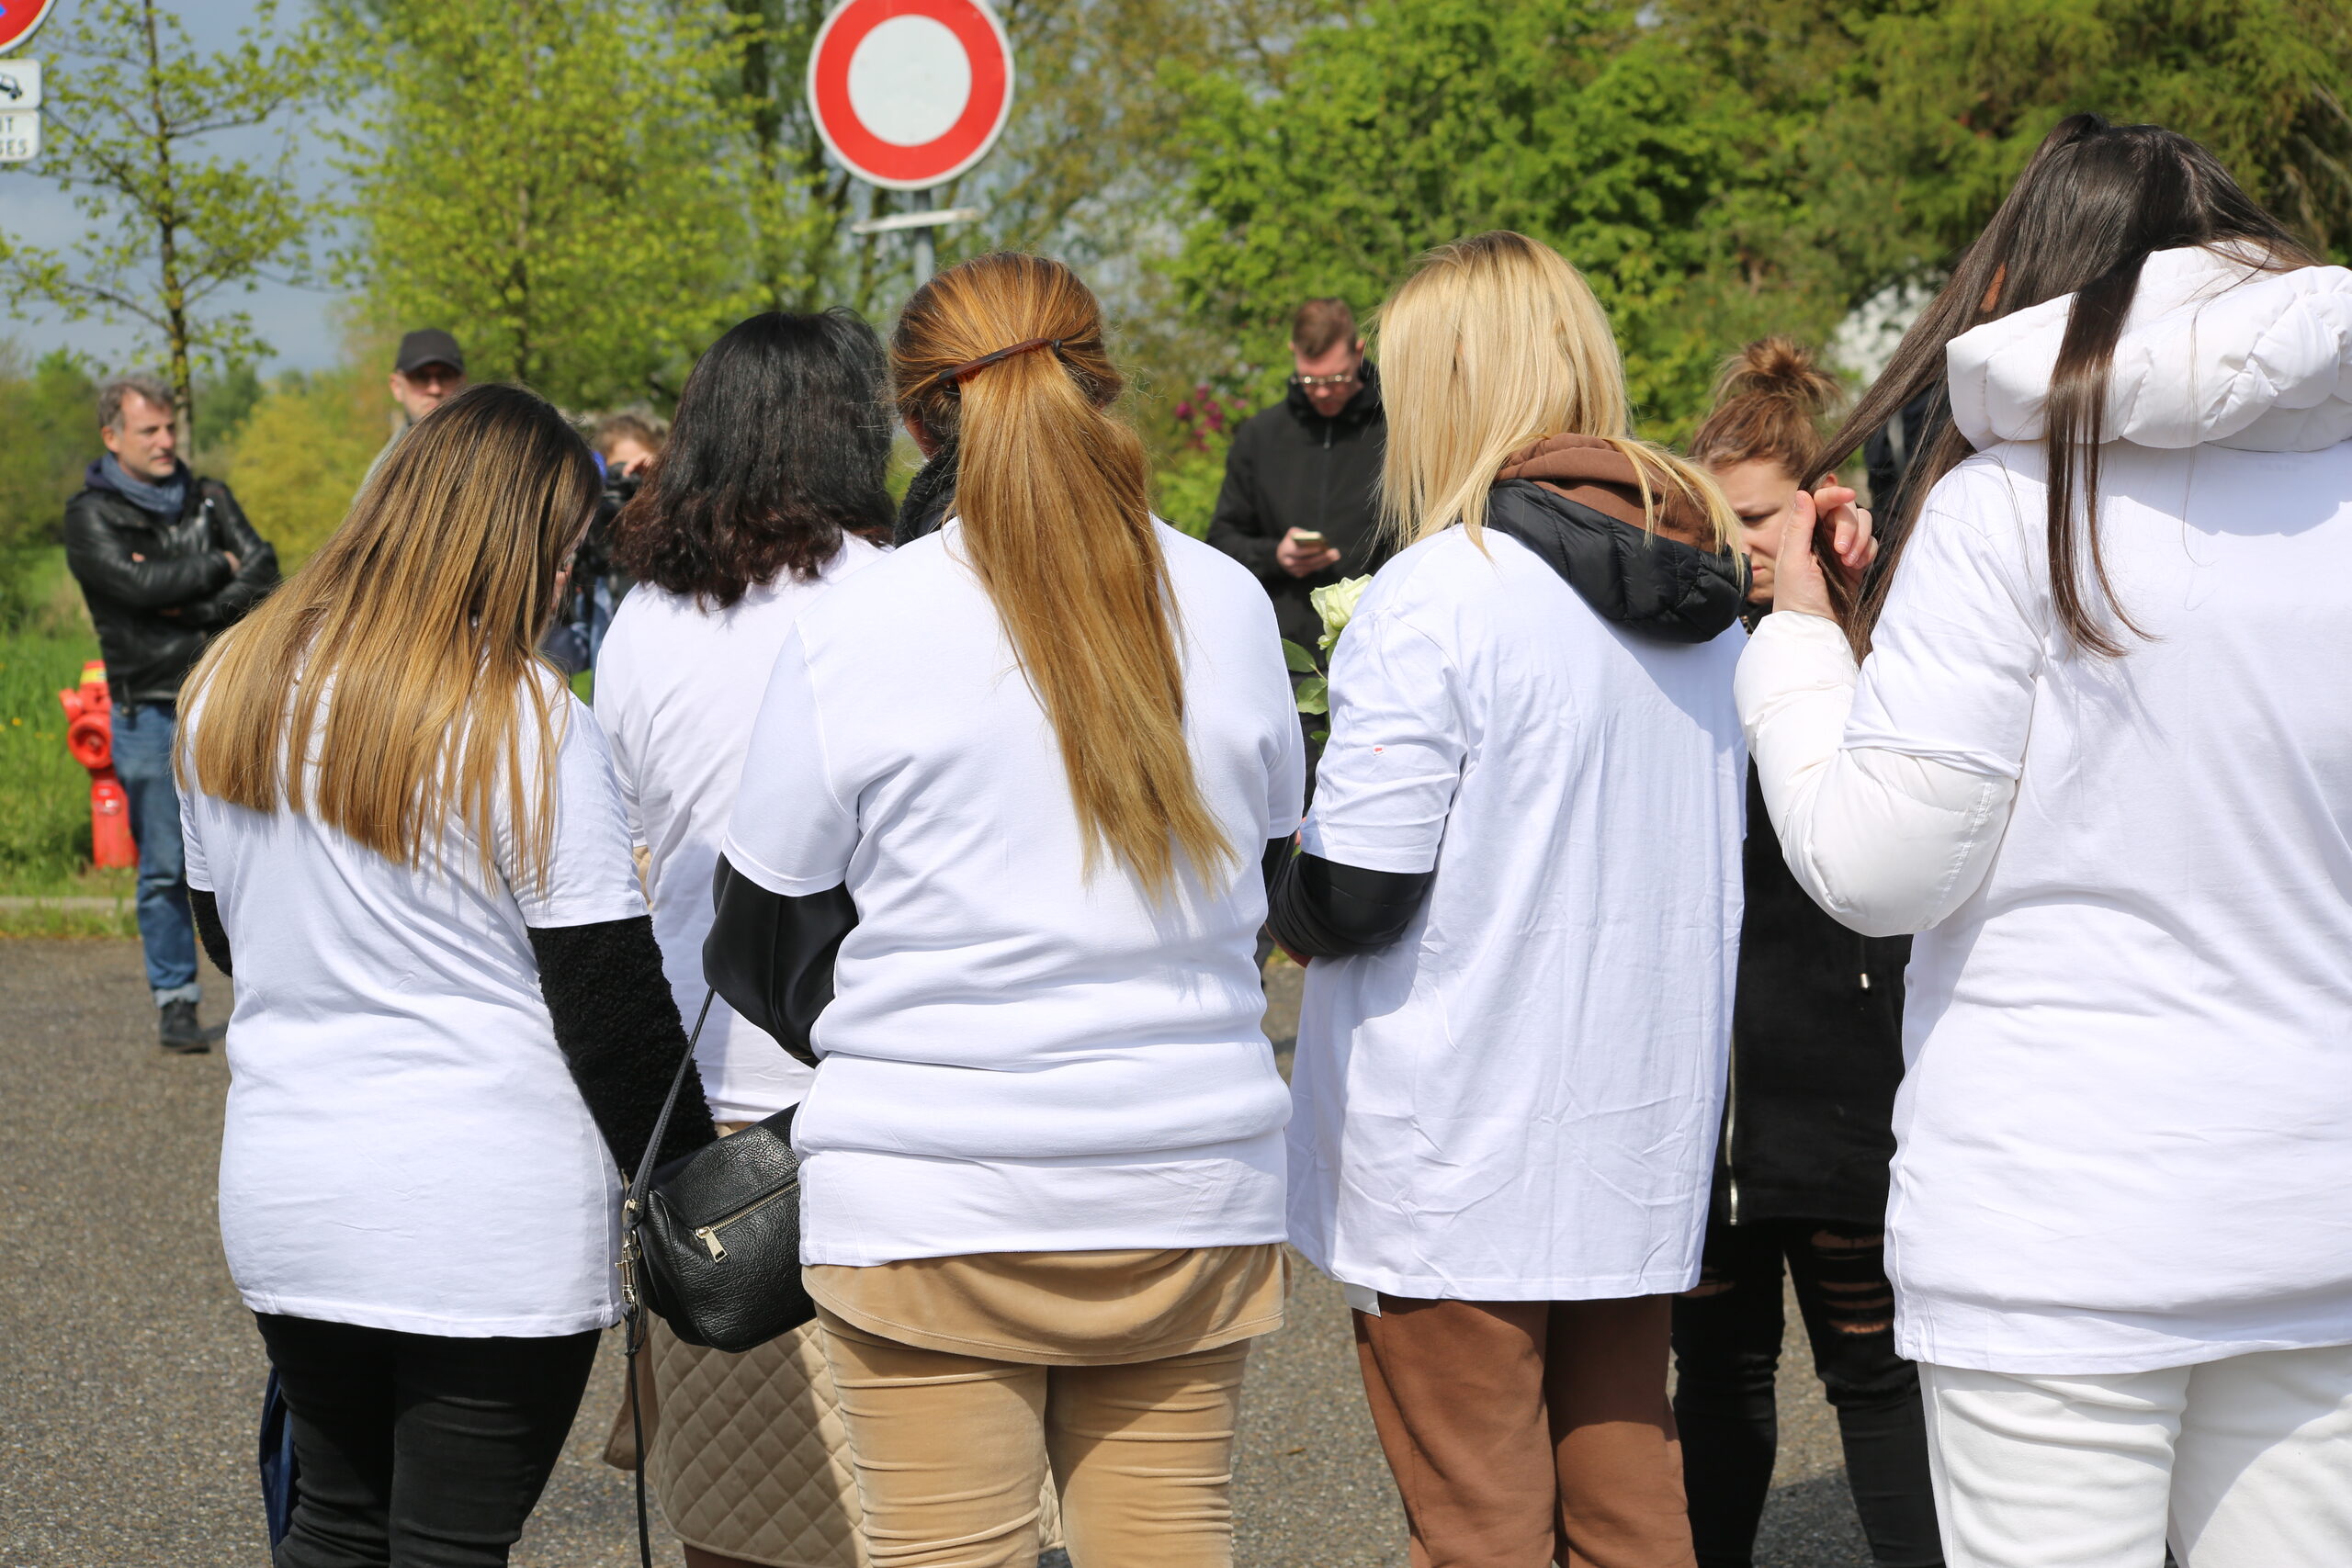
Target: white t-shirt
{"points": [[2125, 1138], [404, 1146], [677, 687], [1018, 1058], [1518, 1100]]}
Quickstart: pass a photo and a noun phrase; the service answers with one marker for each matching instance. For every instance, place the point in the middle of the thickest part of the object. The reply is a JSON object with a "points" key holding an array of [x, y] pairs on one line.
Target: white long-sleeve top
{"points": [[2125, 1135]]}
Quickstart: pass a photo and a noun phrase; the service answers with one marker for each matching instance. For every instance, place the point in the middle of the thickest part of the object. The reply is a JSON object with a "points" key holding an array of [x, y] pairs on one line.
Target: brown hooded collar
{"points": [[1590, 471]]}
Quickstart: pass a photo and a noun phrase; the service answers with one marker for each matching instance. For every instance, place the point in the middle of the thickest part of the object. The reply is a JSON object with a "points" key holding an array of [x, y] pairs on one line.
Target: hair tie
{"points": [[954, 375]]}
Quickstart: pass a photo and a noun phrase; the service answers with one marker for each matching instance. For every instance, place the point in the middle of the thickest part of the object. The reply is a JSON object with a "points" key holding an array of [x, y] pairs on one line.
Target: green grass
{"points": [[44, 794]]}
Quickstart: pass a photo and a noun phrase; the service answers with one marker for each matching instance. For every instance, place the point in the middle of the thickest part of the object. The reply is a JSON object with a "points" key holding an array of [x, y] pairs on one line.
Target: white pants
{"points": [[2248, 1461]]}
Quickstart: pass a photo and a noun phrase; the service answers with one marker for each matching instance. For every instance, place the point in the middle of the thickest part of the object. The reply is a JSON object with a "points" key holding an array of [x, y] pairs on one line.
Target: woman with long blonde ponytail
{"points": [[451, 1034], [1519, 897], [997, 865]]}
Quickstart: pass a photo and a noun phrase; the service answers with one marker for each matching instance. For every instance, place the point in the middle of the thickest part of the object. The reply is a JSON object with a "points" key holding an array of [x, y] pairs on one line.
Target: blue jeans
{"points": [[143, 760]]}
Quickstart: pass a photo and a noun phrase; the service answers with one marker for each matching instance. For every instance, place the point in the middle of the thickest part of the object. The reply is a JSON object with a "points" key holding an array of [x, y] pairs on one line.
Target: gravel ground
{"points": [[134, 1375]]}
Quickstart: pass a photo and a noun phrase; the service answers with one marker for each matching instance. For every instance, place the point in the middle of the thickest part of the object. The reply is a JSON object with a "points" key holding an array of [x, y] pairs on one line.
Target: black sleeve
{"points": [[96, 556], [1269, 866], [208, 930], [256, 572], [770, 956], [1322, 910], [1235, 526], [618, 1027]]}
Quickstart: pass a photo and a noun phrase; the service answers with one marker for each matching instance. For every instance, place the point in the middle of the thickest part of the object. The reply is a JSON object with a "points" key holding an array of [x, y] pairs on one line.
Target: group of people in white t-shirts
{"points": [[988, 825]]}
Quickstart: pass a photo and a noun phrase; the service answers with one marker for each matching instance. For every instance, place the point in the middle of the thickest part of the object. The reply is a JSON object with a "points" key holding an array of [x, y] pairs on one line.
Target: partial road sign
{"points": [[908, 93], [19, 17], [19, 135], [20, 83]]}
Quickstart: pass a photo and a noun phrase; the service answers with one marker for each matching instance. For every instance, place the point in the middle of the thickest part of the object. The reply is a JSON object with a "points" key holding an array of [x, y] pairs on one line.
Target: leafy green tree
{"points": [[1424, 120], [50, 412], [547, 179], [301, 455], [172, 229], [1907, 119]]}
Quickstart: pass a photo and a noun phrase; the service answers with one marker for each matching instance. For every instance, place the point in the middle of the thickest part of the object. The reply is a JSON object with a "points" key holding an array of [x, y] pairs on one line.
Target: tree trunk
{"points": [[161, 133]]}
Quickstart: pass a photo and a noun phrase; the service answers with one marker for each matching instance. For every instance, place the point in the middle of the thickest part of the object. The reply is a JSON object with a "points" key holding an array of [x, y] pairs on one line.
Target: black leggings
{"points": [[416, 1450], [1727, 1348]]}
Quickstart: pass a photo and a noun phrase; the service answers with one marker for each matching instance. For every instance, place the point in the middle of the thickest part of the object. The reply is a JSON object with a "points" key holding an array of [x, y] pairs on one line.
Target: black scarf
{"points": [[929, 498]]}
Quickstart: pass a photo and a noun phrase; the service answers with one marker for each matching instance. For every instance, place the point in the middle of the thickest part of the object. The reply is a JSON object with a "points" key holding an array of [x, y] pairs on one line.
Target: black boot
{"points": [[182, 1034]]}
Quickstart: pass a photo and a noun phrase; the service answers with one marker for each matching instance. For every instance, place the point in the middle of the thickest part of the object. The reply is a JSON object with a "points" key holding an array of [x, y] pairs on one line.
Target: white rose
{"points": [[1336, 604]]}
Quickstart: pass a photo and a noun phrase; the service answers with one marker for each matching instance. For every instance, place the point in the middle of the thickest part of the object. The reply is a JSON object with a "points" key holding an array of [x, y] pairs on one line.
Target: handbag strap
{"points": [[644, 1173], [636, 1330]]}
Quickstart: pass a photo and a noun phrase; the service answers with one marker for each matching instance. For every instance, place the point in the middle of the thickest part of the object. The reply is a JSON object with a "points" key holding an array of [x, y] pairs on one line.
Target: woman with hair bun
{"points": [[996, 866], [1817, 1052]]}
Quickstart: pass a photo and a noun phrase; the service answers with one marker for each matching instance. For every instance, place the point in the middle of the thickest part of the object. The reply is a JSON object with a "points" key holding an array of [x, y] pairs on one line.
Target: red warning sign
{"points": [[908, 93], [18, 20]]}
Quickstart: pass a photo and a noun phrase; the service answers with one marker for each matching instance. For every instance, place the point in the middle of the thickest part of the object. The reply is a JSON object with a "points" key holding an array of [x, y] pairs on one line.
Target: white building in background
{"points": [[1866, 339]]}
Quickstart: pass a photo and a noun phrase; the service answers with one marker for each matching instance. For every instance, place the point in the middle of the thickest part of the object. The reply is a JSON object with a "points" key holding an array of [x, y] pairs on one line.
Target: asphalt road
{"points": [[134, 1376]]}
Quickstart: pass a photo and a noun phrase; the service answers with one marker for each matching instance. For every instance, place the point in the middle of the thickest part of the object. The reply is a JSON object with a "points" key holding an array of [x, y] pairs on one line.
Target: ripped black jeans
{"points": [[1727, 1348]]}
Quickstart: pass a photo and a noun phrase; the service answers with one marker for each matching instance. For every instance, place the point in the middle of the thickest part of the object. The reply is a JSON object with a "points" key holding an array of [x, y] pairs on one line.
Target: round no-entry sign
{"points": [[18, 20], [908, 93]]}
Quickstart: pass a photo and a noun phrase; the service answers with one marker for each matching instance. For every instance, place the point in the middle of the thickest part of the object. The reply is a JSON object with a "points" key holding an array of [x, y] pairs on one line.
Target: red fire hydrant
{"points": [[89, 736]]}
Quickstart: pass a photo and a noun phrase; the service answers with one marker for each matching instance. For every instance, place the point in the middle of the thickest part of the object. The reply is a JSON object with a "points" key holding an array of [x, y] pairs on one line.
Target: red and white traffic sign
{"points": [[19, 17], [908, 93]]}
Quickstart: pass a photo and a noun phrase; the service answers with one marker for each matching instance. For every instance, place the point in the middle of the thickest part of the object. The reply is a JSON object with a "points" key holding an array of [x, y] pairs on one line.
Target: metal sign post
{"points": [[908, 94]]}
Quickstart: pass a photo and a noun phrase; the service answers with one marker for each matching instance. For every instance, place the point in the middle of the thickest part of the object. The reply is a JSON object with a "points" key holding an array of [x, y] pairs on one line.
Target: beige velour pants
{"points": [[951, 1451]]}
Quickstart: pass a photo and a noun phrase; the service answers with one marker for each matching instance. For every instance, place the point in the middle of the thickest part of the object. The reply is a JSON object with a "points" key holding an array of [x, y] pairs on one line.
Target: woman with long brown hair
{"points": [[451, 1032], [995, 866], [1520, 891], [2099, 758]]}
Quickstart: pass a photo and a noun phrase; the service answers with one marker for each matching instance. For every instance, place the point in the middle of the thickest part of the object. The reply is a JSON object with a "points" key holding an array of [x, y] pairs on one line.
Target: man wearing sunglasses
{"points": [[1298, 505]]}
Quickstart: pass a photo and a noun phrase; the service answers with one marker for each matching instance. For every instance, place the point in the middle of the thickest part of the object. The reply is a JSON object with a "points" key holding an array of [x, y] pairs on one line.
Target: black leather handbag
{"points": [[711, 1241]]}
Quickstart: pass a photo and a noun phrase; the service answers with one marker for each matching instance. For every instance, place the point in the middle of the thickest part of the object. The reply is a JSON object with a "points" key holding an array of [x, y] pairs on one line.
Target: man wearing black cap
{"points": [[431, 369]]}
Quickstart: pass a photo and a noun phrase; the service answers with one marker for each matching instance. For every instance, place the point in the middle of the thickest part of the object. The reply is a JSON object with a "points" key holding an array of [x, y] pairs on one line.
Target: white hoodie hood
{"points": [[2213, 353]]}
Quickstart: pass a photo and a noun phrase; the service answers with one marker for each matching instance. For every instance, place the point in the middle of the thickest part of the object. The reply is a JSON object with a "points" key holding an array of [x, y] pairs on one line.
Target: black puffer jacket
{"points": [[1816, 1053], [154, 614], [1291, 467]]}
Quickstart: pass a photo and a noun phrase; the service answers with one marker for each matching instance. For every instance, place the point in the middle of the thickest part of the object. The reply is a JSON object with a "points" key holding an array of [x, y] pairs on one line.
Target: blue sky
{"points": [[295, 321]]}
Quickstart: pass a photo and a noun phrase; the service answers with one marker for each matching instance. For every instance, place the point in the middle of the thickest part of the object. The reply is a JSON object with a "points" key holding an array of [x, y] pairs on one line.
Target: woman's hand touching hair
{"points": [[1826, 517]]}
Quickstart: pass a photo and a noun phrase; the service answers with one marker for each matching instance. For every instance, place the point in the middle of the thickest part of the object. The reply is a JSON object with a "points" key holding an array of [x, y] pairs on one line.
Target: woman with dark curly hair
{"points": [[774, 463]]}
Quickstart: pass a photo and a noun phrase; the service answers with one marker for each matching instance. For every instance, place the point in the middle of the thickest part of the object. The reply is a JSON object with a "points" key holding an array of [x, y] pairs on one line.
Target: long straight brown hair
{"points": [[2092, 204], [1052, 492], [422, 616]]}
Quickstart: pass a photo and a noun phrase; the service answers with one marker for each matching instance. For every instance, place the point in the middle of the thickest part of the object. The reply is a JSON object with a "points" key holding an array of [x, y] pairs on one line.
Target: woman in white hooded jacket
{"points": [[2099, 755]]}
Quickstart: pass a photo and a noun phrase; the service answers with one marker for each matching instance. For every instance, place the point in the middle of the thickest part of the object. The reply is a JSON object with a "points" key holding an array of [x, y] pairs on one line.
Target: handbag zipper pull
{"points": [[708, 1236]]}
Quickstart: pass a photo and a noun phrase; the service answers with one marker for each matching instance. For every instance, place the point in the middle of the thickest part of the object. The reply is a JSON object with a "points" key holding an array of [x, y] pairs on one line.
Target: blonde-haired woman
{"points": [[996, 864], [1519, 894], [451, 1031]]}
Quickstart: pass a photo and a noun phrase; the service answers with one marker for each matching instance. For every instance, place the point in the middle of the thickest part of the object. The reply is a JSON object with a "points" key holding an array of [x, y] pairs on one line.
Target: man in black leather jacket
{"points": [[165, 560]]}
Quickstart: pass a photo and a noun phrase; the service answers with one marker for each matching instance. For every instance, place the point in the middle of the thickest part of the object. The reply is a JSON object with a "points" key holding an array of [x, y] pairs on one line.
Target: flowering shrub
{"points": [[1205, 420]]}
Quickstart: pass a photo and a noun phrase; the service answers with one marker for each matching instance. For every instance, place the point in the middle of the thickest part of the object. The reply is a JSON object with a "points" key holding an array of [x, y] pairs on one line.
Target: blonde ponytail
{"points": [[1052, 493]]}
